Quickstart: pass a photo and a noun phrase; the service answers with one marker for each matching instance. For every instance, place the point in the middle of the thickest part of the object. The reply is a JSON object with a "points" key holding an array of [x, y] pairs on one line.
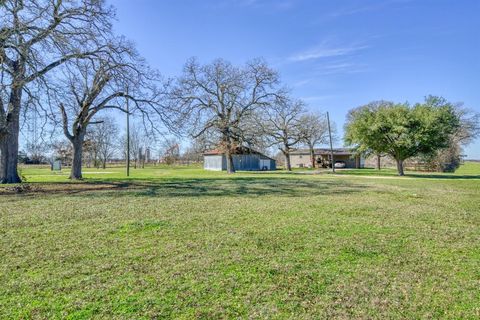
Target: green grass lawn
{"points": [[187, 243]]}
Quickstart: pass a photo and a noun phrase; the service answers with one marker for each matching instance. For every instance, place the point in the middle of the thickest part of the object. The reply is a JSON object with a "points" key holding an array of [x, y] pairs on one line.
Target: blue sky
{"points": [[336, 55]]}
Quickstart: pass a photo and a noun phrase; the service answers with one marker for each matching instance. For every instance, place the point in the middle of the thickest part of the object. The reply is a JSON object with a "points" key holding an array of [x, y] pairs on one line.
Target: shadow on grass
{"points": [[244, 187], [198, 187], [444, 176], [410, 174]]}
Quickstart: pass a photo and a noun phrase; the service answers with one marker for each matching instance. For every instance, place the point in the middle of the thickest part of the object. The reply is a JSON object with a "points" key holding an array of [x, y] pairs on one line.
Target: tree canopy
{"points": [[314, 131], [36, 37], [282, 125], [220, 99], [400, 129]]}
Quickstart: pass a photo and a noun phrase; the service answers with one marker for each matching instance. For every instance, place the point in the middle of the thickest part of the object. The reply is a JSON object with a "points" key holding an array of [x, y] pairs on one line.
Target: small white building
{"points": [[244, 159]]}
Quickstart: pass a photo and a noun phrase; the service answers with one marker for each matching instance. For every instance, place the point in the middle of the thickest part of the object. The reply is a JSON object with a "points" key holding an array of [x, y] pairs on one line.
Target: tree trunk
{"points": [[9, 140], [104, 164], [77, 143], [9, 158], [229, 157], [288, 165], [378, 162], [400, 167], [312, 157]]}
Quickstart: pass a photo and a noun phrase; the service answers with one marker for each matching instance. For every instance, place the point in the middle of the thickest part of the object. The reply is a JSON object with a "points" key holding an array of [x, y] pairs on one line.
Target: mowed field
{"points": [[186, 243]]}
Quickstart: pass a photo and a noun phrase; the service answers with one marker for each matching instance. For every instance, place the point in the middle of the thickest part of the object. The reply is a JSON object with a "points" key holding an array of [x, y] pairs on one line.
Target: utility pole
{"points": [[331, 144], [128, 138]]}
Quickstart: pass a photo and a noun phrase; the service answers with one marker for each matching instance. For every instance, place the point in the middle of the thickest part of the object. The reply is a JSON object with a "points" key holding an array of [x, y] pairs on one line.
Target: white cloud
{"points": [[326, 51], [341, 68], [368, 7], [301, 83]]}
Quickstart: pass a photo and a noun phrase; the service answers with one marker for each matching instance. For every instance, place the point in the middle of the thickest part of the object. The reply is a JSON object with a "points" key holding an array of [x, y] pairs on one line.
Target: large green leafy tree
{"points": [[400, 130]]}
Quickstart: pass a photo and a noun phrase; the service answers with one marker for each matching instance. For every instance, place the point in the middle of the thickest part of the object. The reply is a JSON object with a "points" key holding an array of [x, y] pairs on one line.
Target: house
{"points": [[244, 159], [300, 158]]}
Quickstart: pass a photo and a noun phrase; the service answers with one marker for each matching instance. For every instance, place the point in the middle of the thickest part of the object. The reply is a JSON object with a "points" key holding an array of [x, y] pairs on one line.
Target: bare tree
{"points": [[36, 37], [90, 151], [219, 97], [314, 131], [62, 150], [137, 142], [282, 125], [33, 135], [95, 85], [104, 136], [170, 150], [197, 147], [469, 128]]}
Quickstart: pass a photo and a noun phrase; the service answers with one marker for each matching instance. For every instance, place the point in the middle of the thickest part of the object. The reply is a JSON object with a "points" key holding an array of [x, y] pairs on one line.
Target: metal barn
{"points": [[244, 159]]}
